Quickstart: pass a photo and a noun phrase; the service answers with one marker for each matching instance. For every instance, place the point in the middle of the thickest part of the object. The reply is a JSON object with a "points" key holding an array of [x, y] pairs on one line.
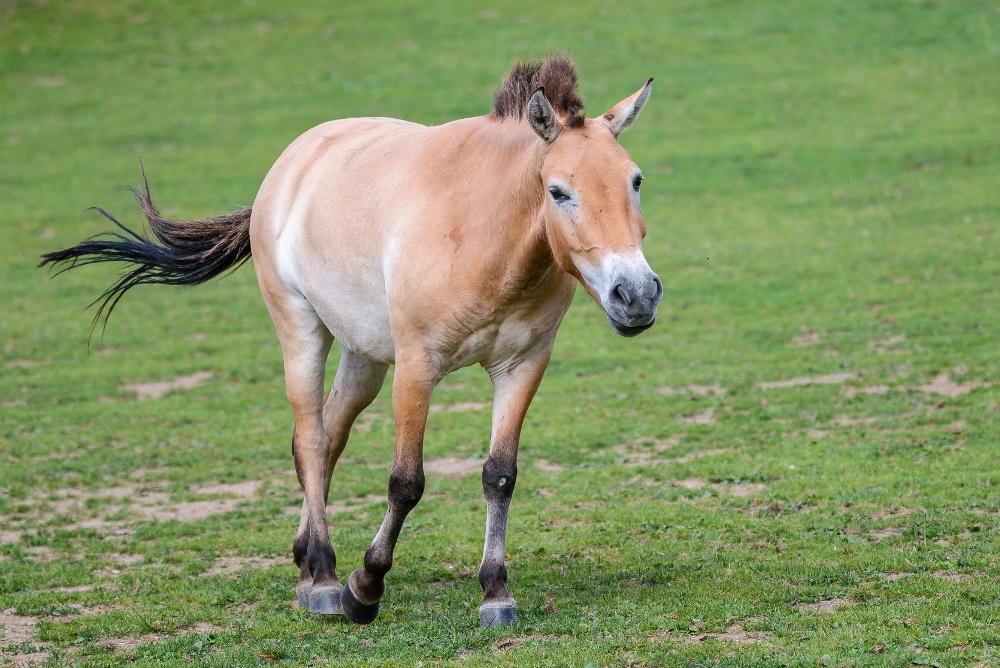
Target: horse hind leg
{"points": [[355, 387], [305, 345]]}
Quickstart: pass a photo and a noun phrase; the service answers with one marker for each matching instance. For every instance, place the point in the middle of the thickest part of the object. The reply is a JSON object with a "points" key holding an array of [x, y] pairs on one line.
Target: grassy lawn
{"points": [[798, 466]]}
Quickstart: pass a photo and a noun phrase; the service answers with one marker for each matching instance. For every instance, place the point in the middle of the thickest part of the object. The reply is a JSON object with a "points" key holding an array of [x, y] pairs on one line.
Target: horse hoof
{"points": [[302, 592], [325, 600], [355, 610], [497, 615]]}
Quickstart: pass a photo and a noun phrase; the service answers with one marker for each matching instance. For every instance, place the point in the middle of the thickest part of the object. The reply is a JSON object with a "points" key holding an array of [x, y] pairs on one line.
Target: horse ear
{"points": [[542, 117], [620, 116]]}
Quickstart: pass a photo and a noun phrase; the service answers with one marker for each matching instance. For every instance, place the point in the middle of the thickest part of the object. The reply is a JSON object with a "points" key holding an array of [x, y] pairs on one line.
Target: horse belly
{"points": [[352, 305]]}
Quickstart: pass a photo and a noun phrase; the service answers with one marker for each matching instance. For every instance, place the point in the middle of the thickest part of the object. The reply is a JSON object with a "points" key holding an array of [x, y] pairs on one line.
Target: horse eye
{"points": [[636, 182], [558, 195]]}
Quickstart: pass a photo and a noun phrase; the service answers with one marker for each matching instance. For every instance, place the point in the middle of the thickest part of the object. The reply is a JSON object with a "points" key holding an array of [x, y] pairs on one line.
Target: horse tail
{"points": [[184, 253]]}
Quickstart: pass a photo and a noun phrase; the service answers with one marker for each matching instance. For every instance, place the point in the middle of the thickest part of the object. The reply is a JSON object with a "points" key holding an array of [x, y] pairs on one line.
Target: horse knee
{"points": [[498, 480]]}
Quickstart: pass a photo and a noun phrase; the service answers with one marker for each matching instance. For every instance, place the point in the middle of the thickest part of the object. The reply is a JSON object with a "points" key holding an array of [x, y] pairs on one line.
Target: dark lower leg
{"points": [[499, 477], [405, 490], [312, 549]]}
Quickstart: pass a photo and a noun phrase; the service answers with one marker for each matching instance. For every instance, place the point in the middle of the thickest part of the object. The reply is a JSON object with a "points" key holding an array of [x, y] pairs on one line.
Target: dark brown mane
{"points": [[556, 74]]}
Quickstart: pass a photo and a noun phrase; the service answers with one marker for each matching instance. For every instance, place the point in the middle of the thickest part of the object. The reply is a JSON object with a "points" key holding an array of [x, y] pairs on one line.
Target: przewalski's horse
{"points": [[431, 248]]}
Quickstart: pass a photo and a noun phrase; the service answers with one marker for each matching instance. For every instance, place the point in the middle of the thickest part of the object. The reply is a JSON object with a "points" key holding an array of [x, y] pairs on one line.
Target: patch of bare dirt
{"points": [[956, 427], [545, 465], [951, 577], [816, 433], [880, 347], [336, 507], [895, 514], [734, 634], [848, 421], [8, 537], [735, 489], [943, 385], [645, 452], [510, 643], [826, 606], [40, 554], [75, 590], [883, 534], [706, 416], [187, 511], [744, 488], [453, 466], [156, 390], [231, 565], [128, 644], [245, 490], [893, 577], [805, 339], [692, 389], [871, 390], [698, 454], [692, 483], [24, 364], [139, 500], [461, 406], [828, 379], [16, 628]]}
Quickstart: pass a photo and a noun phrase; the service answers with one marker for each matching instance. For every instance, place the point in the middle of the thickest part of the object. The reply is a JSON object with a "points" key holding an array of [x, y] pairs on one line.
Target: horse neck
{"points": [[511, 154]]}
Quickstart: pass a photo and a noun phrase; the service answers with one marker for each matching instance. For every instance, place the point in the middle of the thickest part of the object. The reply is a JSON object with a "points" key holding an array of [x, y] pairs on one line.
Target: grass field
{"points": [[798, 466]]}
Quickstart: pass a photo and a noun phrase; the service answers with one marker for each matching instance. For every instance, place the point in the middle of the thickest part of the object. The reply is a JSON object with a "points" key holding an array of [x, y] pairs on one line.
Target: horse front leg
{"points": [[412, 385], [514, 388]]}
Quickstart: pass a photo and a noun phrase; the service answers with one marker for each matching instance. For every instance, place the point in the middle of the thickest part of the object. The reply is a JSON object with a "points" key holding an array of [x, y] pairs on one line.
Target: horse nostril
{"points": [[622, 294], [659, 289]]}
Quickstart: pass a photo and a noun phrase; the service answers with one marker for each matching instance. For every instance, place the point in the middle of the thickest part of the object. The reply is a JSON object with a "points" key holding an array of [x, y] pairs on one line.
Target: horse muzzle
{"points": [[631, 302]]}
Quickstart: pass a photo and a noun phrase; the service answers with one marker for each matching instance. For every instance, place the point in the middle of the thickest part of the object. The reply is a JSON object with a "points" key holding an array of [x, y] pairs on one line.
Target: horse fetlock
{"points": [[493, 579], [300, 549]]}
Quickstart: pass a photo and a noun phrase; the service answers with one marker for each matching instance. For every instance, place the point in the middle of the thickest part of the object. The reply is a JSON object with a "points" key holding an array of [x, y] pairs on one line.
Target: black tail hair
{"points": [[178, 253]]}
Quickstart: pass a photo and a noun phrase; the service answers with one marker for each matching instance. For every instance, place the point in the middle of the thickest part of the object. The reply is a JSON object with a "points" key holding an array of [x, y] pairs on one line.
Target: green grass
{"points": [[824, 170]]}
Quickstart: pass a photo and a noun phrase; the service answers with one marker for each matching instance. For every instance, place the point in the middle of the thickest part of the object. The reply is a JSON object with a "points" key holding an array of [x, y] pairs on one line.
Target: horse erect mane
{"points": [[556, 74]]}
